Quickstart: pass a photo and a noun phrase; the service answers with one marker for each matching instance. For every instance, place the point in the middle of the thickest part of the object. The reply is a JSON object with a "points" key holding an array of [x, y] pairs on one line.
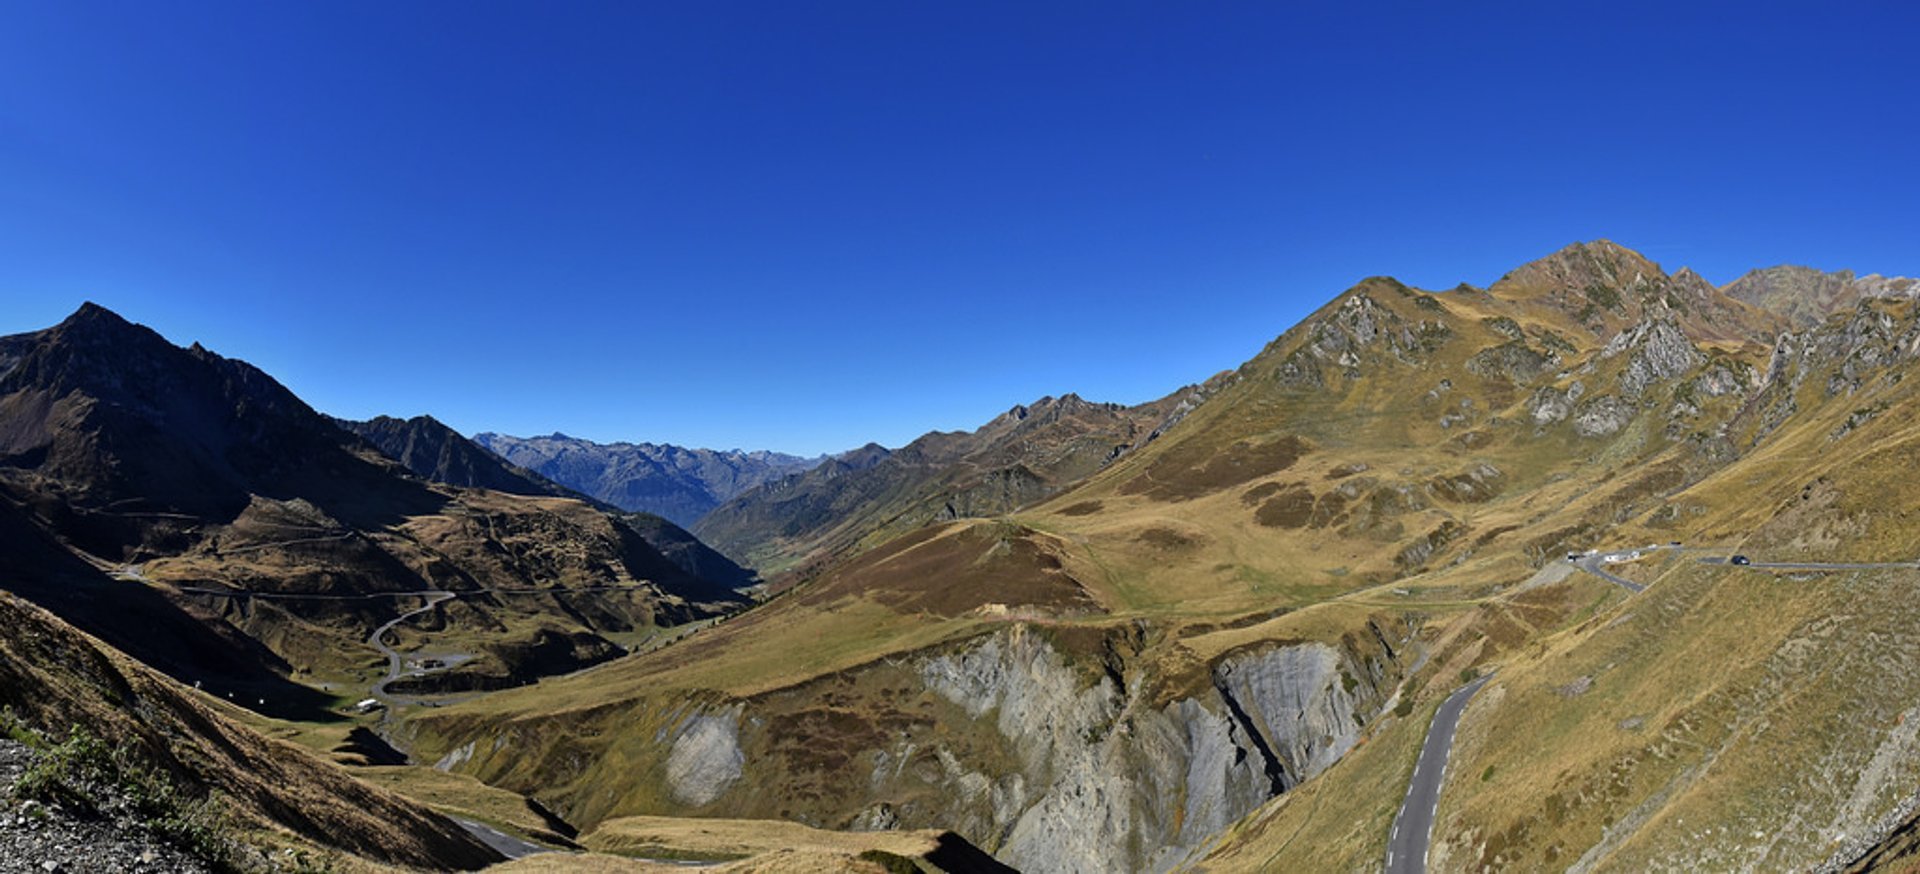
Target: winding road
{"points": [[378, 641], [1413, 826], [1594, 563]]}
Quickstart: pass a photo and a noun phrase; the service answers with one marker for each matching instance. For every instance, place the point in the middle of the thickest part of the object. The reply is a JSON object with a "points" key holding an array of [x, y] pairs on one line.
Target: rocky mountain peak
{"points": [[1579, 268]]}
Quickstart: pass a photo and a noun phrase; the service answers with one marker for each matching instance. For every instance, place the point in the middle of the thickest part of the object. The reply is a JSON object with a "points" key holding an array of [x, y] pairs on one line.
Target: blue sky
{"points": [[803, 226]]}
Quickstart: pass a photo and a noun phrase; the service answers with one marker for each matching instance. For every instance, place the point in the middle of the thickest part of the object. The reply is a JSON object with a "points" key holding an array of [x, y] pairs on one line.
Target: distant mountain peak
{"points": [[677, 483], [1806, 296]]}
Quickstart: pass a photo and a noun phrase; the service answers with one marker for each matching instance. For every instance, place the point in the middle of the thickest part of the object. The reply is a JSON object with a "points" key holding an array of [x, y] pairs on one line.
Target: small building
{"points": [[369, 705]]}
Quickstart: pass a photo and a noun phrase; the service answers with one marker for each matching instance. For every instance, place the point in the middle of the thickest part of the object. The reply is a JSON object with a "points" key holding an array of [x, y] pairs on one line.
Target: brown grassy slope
{"points": [[1023, 455], [1380, 458], [758, 844], [53, 677], [1725, 718], [1391, 431]]}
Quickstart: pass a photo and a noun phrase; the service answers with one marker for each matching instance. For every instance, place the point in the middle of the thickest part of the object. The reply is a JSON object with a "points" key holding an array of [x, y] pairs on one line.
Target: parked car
{"points": [[1742, 560]]}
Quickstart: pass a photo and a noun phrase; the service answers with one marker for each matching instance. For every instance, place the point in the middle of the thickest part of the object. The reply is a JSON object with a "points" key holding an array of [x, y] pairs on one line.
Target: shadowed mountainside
{"points": [[180, 470], [438, 453]]}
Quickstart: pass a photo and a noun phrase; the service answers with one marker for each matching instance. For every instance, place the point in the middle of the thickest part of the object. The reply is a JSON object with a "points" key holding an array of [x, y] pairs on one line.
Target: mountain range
{"points": [[1219, 648], [673, 482], [867, 496], [440, 454], [1661, 522]]}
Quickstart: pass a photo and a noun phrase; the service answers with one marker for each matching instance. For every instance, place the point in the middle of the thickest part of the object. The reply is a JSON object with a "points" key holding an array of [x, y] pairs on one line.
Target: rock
{"points": [[1108, 785], [1602, 416], [1660, 350], [1549, 405], [706, 759], [877, 818]]}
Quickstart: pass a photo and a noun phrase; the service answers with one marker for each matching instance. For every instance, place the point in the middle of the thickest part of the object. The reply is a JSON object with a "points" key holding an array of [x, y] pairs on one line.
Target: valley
{"points": [[1365, 598]]}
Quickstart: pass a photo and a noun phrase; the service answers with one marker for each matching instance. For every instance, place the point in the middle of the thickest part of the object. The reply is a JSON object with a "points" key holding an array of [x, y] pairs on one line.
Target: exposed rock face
{"points": [[1114, 786], [1005, 738], [1514, 362], [1659, 351], [1358, 333], [705, 759], [1602, 416], [1549, 405]]}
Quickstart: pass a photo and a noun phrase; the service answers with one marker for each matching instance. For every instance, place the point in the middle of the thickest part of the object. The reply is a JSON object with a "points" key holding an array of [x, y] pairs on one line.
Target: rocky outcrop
{"points": [[1109, 783], [1549, 405], [705, 759], [1358, 333], [1807, 296], [1602, 416], [1514, 362], [1657, 351]]}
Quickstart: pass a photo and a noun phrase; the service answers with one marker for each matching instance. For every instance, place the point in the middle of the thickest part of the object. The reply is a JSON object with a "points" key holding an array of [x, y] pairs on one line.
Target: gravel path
{"points": [[39, 839]]}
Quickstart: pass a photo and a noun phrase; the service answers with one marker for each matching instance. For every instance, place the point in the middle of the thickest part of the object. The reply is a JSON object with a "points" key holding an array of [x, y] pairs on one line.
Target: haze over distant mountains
{"points": [[674, 482]]}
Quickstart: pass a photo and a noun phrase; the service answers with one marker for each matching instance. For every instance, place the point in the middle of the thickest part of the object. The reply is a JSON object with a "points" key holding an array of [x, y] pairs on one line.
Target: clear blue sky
{"points": [[805, 225]]}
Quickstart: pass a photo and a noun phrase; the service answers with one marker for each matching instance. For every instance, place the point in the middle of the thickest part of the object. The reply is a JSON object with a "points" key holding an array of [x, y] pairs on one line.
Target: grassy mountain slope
{"points": [[1023, 455], [1385, 487], [255, 792]]}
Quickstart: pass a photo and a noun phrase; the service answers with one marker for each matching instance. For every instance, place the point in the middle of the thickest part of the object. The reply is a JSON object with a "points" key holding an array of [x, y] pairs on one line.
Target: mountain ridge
{"points": [[860, 498], [1365, 512], [181, 471], [677, 483]]}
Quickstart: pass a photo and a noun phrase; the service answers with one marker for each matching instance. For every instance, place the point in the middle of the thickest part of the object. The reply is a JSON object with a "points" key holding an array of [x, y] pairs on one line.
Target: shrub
{"points": [[78, 772]]}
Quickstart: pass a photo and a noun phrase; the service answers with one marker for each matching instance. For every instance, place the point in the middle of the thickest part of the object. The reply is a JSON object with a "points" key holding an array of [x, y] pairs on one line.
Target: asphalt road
{"points": [[378, 640], [1814, 566], [1413, 827], [505, 844], [1596, 564]]}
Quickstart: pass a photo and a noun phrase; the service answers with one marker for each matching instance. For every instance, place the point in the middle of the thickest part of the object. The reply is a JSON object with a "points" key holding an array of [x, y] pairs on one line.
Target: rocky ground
{"points": [[48, 838]]}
